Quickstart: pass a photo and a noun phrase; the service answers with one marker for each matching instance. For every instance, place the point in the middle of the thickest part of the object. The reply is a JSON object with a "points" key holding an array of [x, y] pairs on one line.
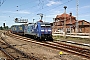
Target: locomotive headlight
{"points": [[49, 30], [42, 30]]}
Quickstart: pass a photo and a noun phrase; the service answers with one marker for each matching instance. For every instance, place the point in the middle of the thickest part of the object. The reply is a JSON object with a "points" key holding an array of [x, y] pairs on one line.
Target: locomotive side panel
{"points": [[18, 29], [21, 29], [14, 29], [29, 29]]}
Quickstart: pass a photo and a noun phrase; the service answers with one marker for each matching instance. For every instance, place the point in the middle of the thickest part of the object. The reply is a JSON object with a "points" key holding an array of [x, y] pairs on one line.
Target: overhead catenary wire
{"points": [[17, 6], [26, 4], [20, 4], [34, 6], [39, 3], [42, 5], [51, 8], [2, 2]]}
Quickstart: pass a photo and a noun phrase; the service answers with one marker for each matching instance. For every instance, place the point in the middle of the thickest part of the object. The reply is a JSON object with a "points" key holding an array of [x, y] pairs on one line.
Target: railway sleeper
{"points": [[12, 52], [85, 51], [18, 57], [22, 53], [6, 47], [3, 43]]}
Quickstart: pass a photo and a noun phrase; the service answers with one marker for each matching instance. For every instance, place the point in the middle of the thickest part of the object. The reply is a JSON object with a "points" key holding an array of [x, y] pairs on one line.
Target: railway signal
{"points": [[4, 25], [17, 20]]}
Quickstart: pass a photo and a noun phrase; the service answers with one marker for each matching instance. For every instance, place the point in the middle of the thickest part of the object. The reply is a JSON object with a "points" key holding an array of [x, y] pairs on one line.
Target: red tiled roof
{"points": [[63, 15], [82, 20]]}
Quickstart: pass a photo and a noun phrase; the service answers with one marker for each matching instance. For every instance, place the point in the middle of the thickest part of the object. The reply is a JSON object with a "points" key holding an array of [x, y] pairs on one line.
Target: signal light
{"points": [[16, 19], [4, 24]]}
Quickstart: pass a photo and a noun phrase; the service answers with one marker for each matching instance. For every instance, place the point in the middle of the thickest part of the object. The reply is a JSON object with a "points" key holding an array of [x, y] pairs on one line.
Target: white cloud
{"points": [[23, 12], [85, 15], [84, 7], [18, 12], [54, 14], [51, 16], [79, 7], [2, 16], [6, 11], [53, 3]]}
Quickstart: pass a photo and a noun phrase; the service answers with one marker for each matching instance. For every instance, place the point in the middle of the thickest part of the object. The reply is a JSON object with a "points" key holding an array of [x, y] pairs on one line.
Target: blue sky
{"points": [[28, 9]]}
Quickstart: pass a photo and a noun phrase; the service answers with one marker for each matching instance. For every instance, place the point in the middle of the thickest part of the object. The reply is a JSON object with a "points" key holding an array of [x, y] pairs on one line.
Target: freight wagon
{"points": [[18, 29]]}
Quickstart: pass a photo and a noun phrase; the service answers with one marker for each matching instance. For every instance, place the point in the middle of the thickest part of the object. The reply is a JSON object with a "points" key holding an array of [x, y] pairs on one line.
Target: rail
{"points": [[60, 46], [6, 53], [18, 51], [77, 35]]}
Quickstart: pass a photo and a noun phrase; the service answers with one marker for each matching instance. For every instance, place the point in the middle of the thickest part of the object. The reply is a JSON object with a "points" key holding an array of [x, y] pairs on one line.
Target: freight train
{"points": [[39, 30]]}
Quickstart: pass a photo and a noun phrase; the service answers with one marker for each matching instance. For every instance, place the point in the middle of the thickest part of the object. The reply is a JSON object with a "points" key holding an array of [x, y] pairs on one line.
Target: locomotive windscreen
{"points": [[45, 25]]}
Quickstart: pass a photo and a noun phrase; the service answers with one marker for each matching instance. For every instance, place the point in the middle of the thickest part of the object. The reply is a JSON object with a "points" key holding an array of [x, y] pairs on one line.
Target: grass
{"points": [[81, 40]]}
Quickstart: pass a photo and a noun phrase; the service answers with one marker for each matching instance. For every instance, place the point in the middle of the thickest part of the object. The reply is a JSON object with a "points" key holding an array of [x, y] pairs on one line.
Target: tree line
{"points": [[4, 28]]}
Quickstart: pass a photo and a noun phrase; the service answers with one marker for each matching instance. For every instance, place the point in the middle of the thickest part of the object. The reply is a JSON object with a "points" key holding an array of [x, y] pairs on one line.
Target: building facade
{"points": [[58, 24]]}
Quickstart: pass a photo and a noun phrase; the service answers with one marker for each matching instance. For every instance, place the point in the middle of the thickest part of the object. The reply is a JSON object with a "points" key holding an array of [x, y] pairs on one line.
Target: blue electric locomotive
{"points": [[40, 30]]}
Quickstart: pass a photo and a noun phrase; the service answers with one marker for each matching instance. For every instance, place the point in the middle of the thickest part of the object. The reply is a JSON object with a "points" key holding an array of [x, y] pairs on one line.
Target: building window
{"points": [[82, 22], [62, 24], [80, 29]]}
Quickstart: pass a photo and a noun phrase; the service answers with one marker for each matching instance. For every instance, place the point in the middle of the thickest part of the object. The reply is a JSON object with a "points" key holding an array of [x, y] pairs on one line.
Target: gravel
{"points": [[42, 52]]}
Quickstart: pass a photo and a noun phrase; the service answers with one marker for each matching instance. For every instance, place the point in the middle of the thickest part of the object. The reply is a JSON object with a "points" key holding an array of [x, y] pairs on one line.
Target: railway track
{"points": [[9, 56], [13, 53], [58, 45]]}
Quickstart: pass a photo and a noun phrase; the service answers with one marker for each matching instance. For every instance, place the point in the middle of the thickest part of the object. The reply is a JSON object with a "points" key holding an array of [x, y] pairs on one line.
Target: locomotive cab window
{"points": [[45, 25], [35, 26]]}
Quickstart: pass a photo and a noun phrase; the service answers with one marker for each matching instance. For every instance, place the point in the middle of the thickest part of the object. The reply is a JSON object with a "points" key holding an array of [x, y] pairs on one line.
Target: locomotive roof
{"points": [[23, 24], [31, 24], [43, 22]]}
